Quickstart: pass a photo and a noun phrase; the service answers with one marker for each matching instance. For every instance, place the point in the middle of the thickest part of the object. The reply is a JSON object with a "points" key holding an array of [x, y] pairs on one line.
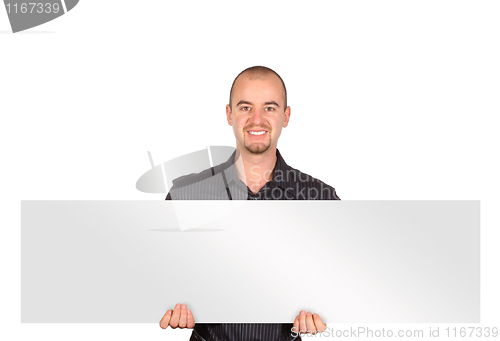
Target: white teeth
{"points": [[257, 132]]}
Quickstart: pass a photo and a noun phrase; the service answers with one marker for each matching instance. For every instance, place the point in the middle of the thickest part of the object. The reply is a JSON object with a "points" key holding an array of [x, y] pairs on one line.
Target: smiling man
{"points": [[257, 111]]}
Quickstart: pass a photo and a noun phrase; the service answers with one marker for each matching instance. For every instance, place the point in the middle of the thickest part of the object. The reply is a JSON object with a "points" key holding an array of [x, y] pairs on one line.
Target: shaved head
{"points": [[259, 112], [257, 72]]}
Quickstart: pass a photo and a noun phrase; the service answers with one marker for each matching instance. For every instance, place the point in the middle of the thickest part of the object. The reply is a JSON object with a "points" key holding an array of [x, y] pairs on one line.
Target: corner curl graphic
{"points": [[25, 14]]}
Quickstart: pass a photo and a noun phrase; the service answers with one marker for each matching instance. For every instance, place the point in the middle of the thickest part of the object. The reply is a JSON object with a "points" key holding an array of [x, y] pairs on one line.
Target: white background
{"points": [[389, 99]]}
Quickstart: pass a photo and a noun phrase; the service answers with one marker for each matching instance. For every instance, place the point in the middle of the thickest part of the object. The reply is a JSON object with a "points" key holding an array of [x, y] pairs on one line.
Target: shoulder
{"points": [[205, 185], [305, 186], [192, 178]]}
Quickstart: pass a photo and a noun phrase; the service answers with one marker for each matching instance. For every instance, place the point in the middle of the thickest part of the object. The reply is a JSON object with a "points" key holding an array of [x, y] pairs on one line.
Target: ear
{"points": [[228, 115], [287, 117]]}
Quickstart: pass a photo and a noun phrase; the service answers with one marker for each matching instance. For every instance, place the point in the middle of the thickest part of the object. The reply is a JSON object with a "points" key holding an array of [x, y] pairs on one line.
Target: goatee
{"points": [[257, 149]]}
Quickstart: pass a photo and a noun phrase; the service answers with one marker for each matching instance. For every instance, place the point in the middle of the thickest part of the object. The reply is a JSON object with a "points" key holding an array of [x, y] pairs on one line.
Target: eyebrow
{"points": [[243, 102], [266, 103], [272, 103]]}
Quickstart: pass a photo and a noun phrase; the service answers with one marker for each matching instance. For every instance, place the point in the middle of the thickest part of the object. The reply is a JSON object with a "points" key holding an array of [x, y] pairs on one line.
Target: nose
{"points": [[256, 117]]}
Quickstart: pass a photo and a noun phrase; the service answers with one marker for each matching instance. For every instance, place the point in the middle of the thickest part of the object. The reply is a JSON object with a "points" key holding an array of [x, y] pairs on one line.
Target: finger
{"points": [[190, 319], [302, 322], [311, 328], [184, 314], [174, 320], [166, 319], [319, 324], [295, 327]]}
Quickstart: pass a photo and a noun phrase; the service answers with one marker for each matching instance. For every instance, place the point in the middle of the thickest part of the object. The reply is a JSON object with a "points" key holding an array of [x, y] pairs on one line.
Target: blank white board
{"points": [[251, 261]]}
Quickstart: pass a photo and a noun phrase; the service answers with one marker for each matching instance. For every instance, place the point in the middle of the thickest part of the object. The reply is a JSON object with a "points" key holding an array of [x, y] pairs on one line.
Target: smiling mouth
{"points": [[257, 133]]}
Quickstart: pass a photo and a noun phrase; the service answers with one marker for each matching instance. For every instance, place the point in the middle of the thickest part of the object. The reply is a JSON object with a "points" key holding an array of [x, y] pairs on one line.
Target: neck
{"points": [[255, 170]]}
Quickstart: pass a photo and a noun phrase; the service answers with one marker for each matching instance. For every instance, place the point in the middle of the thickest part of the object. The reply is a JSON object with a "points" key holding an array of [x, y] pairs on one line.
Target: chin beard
{"points": [[257, 149]]}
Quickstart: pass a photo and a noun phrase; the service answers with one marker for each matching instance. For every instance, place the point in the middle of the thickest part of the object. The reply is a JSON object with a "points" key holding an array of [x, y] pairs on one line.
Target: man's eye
{"points": [[245, 108], [270, 109]]}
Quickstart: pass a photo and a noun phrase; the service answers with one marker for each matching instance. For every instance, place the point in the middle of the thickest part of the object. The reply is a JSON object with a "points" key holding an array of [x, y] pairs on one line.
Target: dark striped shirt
{"points": [[222, 183]]}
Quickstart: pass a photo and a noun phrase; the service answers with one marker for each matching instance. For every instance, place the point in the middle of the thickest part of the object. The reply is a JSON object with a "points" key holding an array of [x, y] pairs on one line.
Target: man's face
{"points": [[257, 114]]}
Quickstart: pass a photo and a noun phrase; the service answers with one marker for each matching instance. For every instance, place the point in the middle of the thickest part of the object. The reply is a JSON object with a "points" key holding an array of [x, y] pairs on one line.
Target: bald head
{"points": [[257, 72]]}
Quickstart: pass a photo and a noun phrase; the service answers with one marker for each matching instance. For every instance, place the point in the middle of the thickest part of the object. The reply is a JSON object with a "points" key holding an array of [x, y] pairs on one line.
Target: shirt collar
{"points": [[282, 176]]}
